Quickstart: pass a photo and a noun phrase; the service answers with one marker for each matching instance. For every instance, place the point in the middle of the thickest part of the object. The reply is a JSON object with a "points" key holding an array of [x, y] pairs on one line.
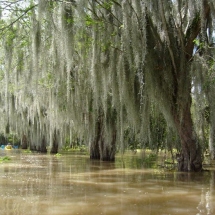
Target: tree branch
{"points": [[167, 35], [194, 29], [20, 17]]}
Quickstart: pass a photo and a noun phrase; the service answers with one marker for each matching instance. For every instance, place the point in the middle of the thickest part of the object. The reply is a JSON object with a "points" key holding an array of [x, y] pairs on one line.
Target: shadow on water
{"points": [[73, 184]]}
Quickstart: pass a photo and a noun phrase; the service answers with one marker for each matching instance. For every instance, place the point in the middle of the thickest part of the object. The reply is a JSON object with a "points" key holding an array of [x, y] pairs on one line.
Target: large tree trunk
{"points": [[107, 151], [94, 149], [190, 158], [100, 149]]}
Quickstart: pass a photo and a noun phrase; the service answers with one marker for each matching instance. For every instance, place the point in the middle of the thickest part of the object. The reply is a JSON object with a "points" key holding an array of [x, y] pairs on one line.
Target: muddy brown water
{"points": [[38, 184]]}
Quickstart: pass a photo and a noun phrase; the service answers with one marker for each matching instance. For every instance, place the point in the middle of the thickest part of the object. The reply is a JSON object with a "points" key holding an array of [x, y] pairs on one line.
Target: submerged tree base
{"points": [[112, 159], [186, 165], [96, 154]]}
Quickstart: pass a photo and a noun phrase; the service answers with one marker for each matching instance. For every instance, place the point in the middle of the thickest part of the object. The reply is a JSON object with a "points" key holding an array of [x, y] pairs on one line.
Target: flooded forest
{"points": [[107, 107]]}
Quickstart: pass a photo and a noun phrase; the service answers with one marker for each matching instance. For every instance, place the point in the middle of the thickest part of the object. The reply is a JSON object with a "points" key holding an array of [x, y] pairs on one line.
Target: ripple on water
{"points": [[41, 185]]}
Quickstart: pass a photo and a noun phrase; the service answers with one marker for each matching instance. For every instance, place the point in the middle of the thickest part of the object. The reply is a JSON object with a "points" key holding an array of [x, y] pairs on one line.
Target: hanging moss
{"points": [[92, 69]]}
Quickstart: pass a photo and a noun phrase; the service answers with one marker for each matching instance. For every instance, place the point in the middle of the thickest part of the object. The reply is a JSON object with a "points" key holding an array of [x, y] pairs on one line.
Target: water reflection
{"points": [[205, 205], [74, 184]]}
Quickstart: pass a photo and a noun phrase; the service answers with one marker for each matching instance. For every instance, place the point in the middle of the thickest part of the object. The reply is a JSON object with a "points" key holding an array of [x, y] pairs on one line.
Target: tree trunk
{"points": [[24, 142], [94, 149], [190, 158], [43, 146], [33, 147], [107, 151], [54, 147], [100, 149]]}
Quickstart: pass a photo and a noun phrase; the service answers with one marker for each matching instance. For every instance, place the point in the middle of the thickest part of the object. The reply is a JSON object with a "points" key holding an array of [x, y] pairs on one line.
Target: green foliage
{"points": [[2, 24], [27, 151], [1, 74], [48, 81], [105, 46], [192, 27], [198, 43], [210, 75], [2, 138], [10, 36], [132, 142], [70, 21], [84, 41], [4, 159], [68, 17], [211, 71], [13, 138], [106, 5], [89, 21], [150, 158], [74, 145], [58, 155], [158, 128]]}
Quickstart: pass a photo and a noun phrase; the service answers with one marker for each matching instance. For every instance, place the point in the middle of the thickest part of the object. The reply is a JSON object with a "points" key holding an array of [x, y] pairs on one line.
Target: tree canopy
{"points": [[102, 70]]}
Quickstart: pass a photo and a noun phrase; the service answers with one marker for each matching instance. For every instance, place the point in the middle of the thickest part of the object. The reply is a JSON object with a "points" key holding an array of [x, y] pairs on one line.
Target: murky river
{"points": [[38, 184]]}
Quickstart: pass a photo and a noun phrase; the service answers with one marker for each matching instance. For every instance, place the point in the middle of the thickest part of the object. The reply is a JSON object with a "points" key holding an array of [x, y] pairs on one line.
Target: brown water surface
{"points": [[38, 184]]}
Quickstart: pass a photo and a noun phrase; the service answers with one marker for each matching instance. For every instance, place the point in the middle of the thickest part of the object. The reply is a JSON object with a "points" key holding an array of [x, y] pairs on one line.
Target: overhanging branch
{"points": [[194, 29], [18, 18]]}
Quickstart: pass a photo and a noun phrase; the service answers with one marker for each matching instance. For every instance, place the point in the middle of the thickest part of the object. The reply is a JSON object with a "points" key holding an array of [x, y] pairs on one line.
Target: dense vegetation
{"points": [[109, 74]]}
